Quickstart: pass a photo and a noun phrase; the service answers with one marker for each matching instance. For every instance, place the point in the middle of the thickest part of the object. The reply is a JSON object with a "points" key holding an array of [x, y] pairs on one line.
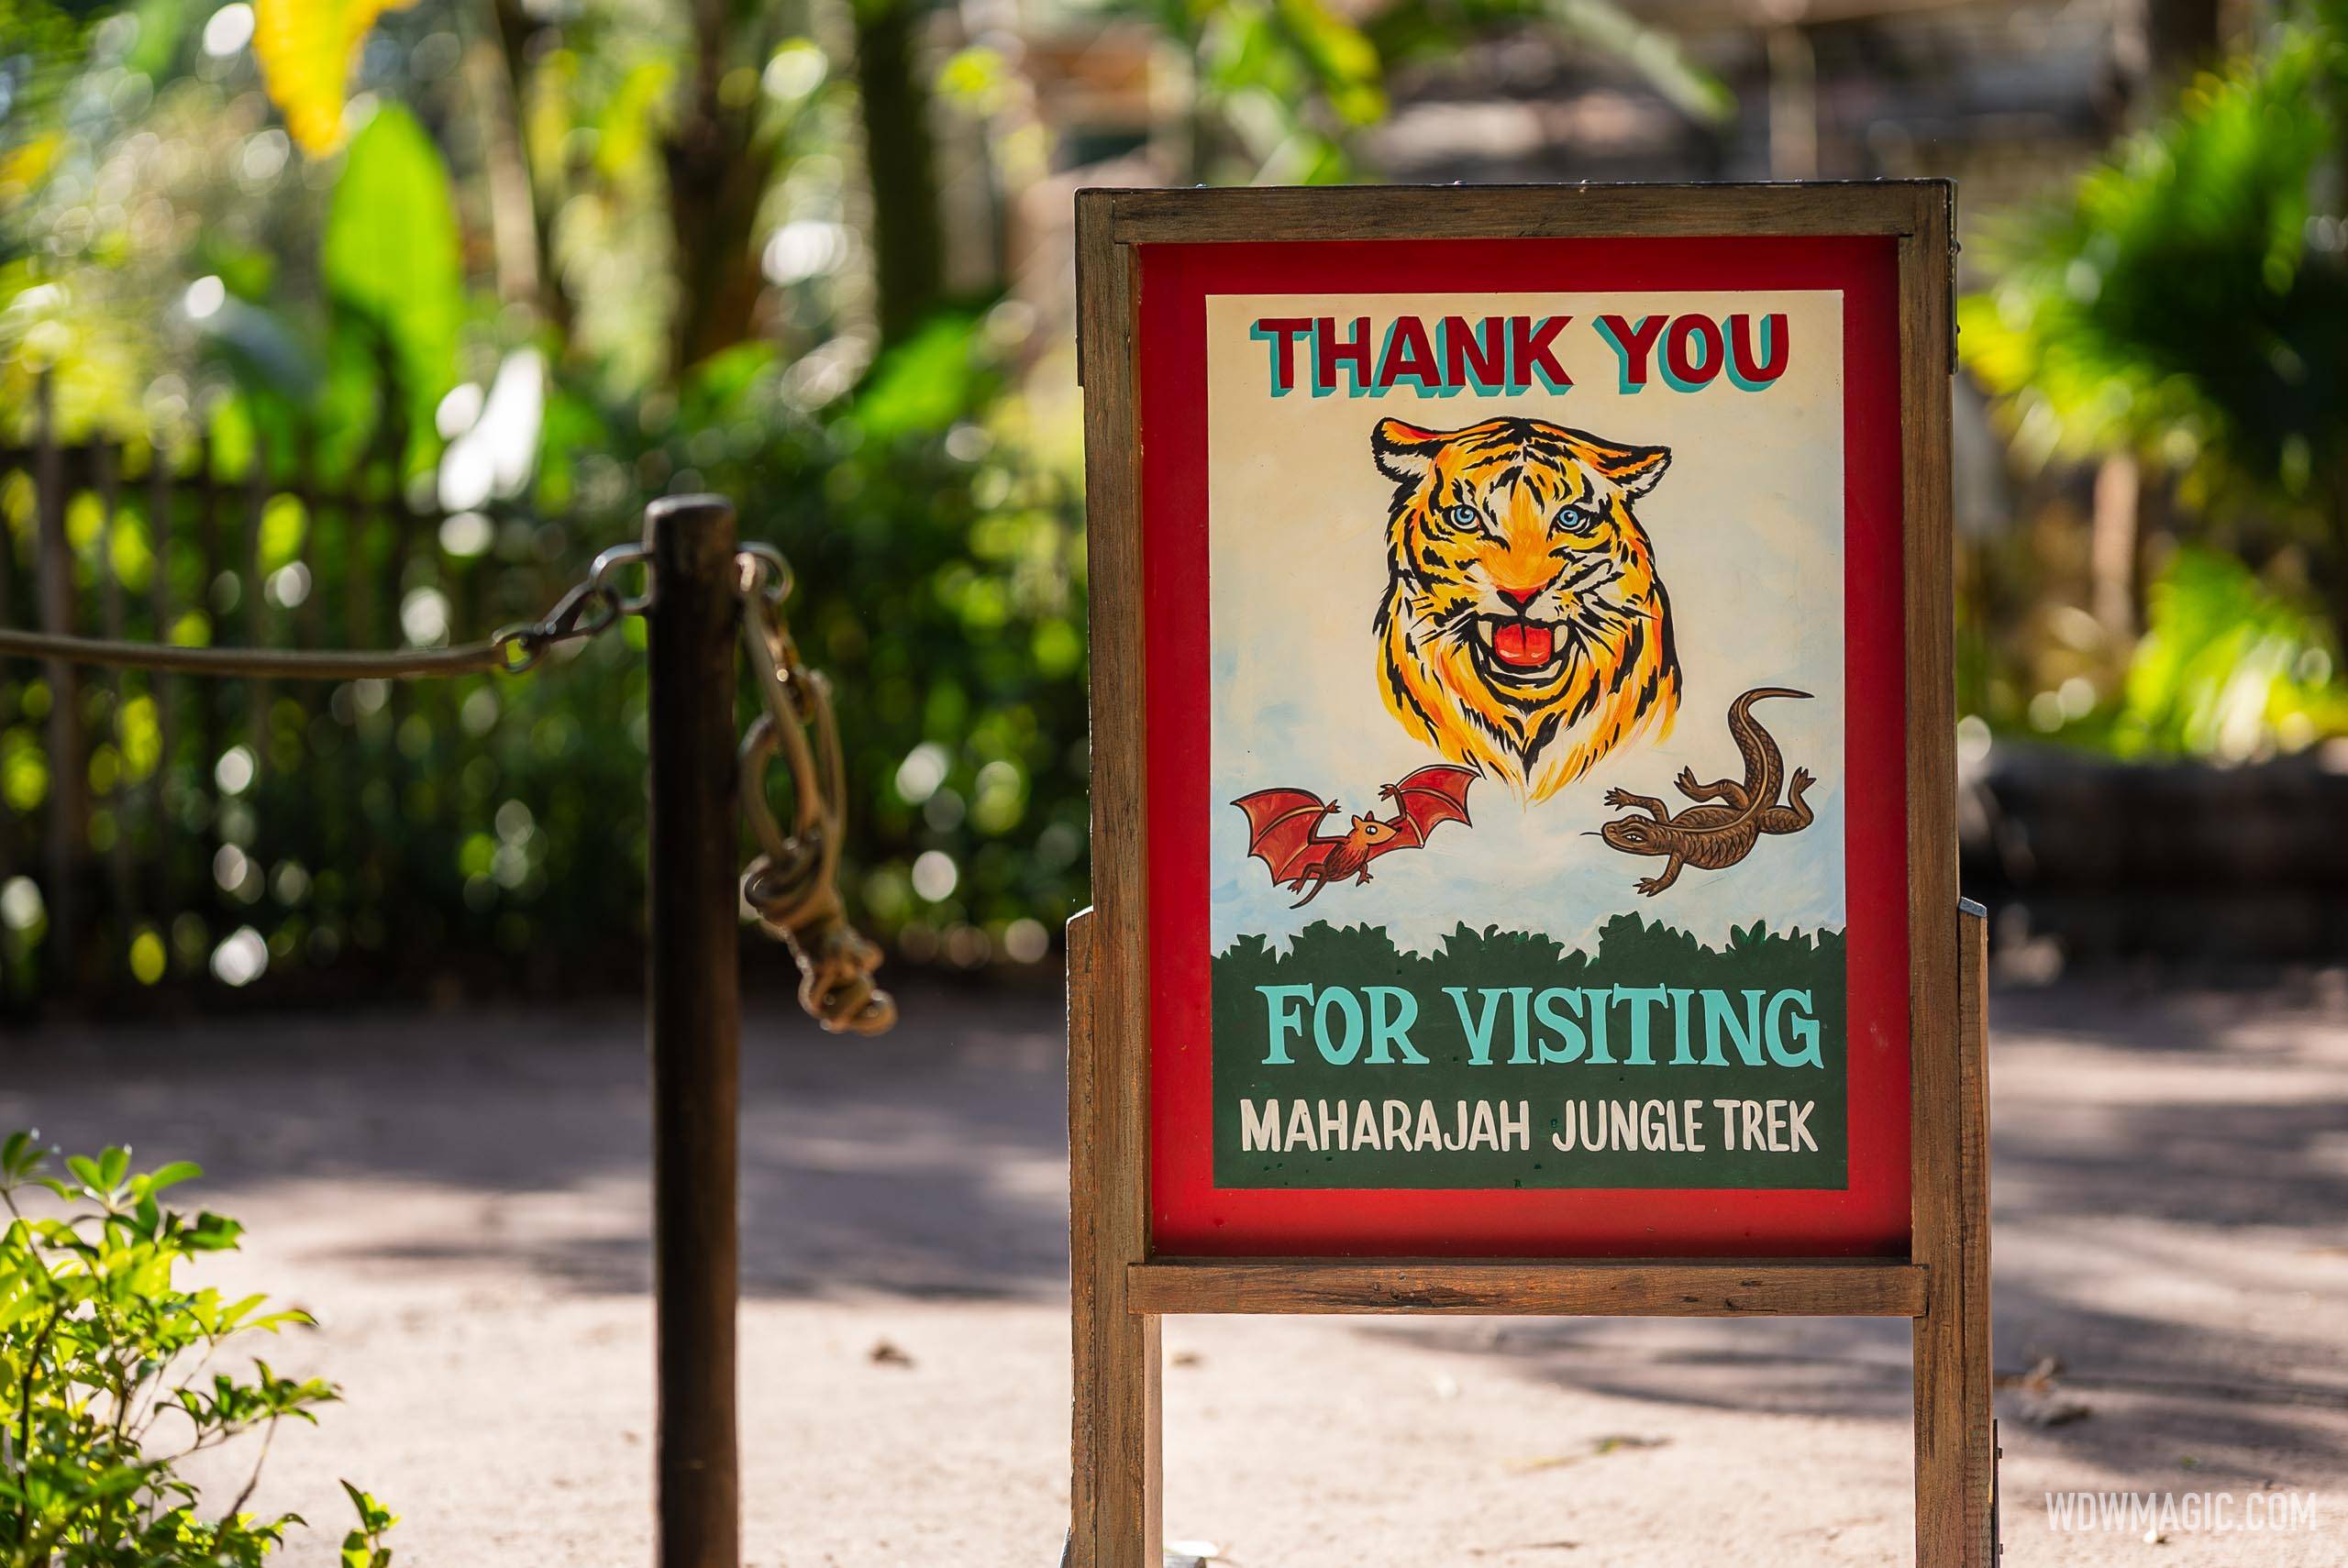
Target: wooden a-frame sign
{"points": [[1523, 763]]}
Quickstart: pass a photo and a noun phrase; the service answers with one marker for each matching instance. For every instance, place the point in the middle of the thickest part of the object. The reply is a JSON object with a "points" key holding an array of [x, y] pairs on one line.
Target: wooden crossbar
{"points": [[1797, 1288]]}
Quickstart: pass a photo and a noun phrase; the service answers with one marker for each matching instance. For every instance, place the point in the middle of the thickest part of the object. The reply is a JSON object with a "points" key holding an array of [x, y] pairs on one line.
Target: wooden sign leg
{"points": [[1955, 1442], [1114, 1488]]}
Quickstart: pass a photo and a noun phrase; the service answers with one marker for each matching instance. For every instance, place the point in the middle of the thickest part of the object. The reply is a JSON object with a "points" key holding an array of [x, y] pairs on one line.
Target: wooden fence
{"points": [[164, 828], [2087, 860]]}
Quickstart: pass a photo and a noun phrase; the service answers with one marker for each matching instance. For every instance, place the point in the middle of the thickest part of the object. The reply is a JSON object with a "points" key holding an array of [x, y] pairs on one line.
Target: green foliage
{"points": [[924, 384], [2228, 668], [490, 825], [110, 1377], [1424, 29], [42, 39], [1283, 85], [363, 1547], [940, 566], [2188, 299], [942, 587], [545, 179], [391, 251], [2187, 303]]}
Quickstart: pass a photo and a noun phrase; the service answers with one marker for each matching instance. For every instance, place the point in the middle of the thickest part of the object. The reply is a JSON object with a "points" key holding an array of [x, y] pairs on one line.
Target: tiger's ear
{"points": [[1634, 468], [1405, 452]]}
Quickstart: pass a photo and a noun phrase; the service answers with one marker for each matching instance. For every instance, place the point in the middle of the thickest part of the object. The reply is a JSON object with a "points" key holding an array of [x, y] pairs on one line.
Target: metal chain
{"points": [[792, 884], [592, 606]]}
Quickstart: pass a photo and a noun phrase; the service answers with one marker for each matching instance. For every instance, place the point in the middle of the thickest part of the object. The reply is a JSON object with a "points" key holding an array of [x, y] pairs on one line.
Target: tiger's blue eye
{"points": [[1465, 516], [1575, 518]]}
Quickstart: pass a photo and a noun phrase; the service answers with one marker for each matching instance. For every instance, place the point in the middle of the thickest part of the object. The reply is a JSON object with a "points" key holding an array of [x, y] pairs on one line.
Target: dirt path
{"points": [[462, 1202]]}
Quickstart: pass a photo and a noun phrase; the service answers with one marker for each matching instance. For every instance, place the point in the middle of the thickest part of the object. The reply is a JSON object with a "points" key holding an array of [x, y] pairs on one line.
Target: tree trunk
{"points": [[717, 179], [715, 182], [1793, 105], [2156, 45], [2181, 38], [514, 242], [515, 32], [908, 240], [2113, 549]]}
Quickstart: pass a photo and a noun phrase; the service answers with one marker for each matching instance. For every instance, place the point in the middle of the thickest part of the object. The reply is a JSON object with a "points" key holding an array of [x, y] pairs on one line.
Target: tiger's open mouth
{"points": [[1517, 650]]}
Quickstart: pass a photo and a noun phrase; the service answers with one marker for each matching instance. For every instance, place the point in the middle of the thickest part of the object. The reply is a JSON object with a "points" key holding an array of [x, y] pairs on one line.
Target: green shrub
{"points": [[2186, 301], [109, 1381]]}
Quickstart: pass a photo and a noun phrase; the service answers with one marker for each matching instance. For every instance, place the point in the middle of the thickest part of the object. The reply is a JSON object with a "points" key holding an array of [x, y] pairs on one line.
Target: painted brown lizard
{"points": [[1716, 837]]}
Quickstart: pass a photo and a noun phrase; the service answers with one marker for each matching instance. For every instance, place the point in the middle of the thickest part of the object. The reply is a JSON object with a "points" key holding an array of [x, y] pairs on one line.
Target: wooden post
{"points": [[695, 1016], [1955, 1444], [1117, 1516], [1948, 1114], [1115, 1485]]}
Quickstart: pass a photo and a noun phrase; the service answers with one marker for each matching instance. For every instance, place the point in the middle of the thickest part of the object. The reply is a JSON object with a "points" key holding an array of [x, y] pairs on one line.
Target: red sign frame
{"points": [[1188, 1213]]}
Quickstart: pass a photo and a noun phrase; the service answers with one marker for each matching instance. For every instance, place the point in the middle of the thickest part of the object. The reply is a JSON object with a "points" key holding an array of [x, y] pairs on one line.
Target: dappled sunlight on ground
{"points": [[463, 1202]]}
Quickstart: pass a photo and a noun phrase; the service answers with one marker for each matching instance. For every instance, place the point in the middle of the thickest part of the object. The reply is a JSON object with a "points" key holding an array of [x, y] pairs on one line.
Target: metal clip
{"points": [[607, 566], [589, 609]]}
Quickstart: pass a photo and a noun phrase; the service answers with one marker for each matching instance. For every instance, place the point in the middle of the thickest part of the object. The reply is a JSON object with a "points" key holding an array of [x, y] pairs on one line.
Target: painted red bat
{"points": [[1281, 825]]}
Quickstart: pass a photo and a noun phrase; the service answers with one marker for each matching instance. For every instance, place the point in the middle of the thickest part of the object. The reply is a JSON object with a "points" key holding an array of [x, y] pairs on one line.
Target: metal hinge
{"points": [[1997, 1457], [1952, 248]]}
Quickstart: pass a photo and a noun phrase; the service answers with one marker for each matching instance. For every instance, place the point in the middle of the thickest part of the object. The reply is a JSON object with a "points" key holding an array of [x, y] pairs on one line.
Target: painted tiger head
{"points": [[1523, 630]]}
